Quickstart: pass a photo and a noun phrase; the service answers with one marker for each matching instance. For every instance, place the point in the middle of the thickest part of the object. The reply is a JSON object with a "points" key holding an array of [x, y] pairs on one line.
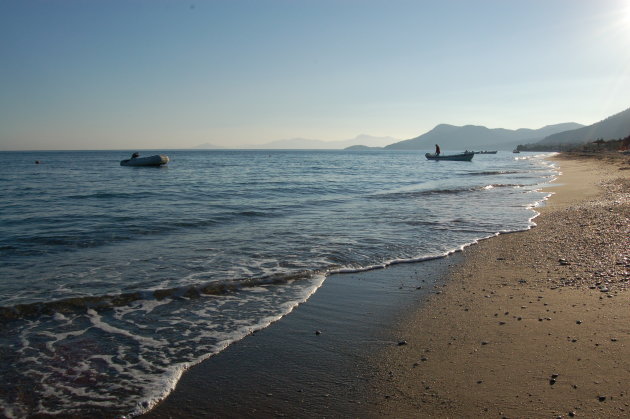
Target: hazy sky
{"points": [[154, 74]]}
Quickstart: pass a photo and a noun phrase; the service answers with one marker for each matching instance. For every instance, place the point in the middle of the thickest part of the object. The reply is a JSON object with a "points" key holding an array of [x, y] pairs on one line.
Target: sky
{"points": [[157, 74]]}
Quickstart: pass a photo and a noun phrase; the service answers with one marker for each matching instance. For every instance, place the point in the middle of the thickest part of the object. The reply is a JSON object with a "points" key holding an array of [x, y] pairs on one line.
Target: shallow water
{"points": [[114, 279]]}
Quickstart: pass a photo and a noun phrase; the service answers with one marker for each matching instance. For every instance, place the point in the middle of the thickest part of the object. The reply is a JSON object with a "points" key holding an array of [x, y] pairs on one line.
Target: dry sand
{"points": [[533, 324]]}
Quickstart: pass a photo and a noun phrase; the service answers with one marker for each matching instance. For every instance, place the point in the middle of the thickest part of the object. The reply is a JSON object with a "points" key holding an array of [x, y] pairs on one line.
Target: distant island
{"points": [[362, 147]]}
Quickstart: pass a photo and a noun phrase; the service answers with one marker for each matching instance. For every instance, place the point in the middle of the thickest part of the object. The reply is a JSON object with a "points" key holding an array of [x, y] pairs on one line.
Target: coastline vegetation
{"points": [[596, 146]]}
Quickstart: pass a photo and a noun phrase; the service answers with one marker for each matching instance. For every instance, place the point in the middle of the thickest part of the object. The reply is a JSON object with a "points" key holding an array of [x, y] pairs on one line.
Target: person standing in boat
{"points": [[135, 155], [437, 150]]}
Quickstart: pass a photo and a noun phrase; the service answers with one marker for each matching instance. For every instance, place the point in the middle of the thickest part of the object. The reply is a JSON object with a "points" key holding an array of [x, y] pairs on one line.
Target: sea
{"points": [[114, 280]]}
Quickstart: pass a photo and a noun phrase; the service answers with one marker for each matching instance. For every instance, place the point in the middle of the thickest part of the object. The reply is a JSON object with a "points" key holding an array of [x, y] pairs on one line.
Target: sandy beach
{"points": [[529, 324]]}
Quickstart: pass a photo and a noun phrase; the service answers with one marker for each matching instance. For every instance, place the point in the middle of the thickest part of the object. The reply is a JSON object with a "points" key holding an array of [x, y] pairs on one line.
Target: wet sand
{"points": [[314, 362], [531, 324]]}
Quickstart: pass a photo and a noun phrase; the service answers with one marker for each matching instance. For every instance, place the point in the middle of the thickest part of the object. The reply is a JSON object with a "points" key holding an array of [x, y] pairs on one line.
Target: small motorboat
{"points": [[465, 156], [156, 160]]}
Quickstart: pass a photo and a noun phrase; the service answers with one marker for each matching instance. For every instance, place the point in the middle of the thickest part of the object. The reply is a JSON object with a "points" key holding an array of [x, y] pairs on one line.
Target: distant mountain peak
{"points": [[304, 143], [208, 146], [441, 127]]}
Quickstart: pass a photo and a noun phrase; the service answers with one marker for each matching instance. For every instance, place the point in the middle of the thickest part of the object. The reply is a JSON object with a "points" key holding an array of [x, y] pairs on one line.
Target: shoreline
{"points": [[316, 360], [531, 324], [392, 344]]}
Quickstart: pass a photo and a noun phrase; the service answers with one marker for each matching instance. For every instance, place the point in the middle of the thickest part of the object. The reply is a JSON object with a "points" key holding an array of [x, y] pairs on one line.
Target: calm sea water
{"points": [[115, 279]]}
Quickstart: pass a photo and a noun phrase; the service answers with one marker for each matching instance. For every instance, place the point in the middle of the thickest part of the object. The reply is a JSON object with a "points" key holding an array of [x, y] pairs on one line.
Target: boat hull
{"points": [[451, 157], [157, 160]]}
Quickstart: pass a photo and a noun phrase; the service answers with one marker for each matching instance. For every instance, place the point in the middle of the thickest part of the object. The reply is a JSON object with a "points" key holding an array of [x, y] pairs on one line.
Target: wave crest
{"points": [[82, 304]]}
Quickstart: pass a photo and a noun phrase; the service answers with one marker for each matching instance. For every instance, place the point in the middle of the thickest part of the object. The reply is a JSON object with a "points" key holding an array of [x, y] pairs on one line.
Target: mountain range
{"points": [[470, 137], [310, 144], [473, 137], [611, 128]]}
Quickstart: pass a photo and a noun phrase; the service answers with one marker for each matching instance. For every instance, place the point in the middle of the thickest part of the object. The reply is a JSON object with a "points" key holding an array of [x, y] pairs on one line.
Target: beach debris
{"points": [[601, 398], [571, 414], [564, 262], [318, 332], [578, 322], [402, 342], [423, 359]]}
